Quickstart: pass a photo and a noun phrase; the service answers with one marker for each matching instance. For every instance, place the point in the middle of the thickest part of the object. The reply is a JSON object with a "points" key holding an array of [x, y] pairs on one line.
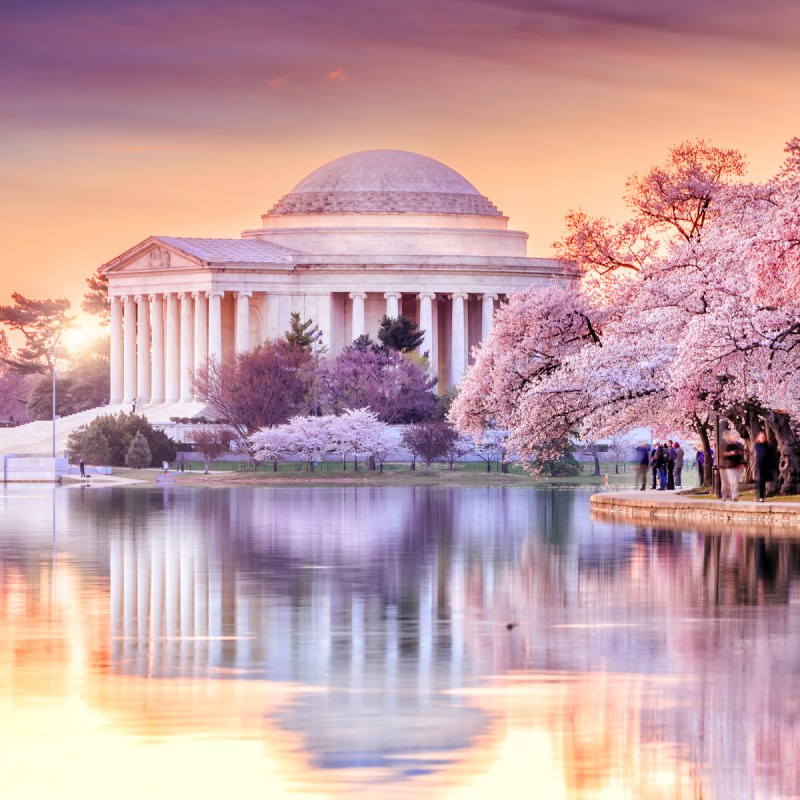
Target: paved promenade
{"points": [[663, 506]]}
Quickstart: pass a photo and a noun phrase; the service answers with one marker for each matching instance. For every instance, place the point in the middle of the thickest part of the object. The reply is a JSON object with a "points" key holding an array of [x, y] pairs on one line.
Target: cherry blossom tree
{"points": [[596, 357], [309, 437], [270, 444]]}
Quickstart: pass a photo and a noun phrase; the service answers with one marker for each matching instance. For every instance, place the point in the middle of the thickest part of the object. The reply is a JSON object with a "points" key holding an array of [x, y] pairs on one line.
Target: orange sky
{"points": [[121, 120]]}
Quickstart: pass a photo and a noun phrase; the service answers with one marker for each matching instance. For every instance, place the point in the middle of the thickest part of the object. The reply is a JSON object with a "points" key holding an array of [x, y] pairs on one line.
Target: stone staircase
{"points": [[36, 438]]}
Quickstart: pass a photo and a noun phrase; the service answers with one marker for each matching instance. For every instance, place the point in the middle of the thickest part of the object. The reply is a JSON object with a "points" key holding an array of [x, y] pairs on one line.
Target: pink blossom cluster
{"points": [[689, 309], [354, 432]]}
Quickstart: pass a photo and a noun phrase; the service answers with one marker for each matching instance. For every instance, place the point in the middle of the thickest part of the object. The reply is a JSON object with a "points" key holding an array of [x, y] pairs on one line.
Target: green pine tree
{"points": [[138, 455], [95, 449]]}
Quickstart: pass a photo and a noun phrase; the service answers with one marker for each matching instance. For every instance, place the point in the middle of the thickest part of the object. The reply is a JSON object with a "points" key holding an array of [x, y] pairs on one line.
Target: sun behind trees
{"points": [[687, 310]]}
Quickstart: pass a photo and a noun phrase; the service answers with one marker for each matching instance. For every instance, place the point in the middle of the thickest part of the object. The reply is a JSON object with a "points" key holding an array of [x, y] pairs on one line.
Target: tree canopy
{"points": [[95, 299], [258, 388], [685, 311], [400, 333], [41, 323]]}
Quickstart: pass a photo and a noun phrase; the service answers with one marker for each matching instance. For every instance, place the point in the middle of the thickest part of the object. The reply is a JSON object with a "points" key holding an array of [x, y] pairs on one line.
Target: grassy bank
{"points": [[392, 475]]}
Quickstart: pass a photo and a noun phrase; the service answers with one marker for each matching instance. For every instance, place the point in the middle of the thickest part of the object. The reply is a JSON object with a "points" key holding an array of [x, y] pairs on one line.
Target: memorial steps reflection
{"points": [[377, 655]]}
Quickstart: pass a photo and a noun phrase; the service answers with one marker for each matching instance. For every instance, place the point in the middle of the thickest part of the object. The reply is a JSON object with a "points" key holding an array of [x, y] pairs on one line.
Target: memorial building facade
{"points": [[371, 233]]}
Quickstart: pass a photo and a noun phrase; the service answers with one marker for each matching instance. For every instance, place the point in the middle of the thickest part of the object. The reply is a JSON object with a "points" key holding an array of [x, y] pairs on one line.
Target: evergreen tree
{"points": [[41, 323], [400, 333], [302, 335], [95, 449], [95, 300], [138, 455]]}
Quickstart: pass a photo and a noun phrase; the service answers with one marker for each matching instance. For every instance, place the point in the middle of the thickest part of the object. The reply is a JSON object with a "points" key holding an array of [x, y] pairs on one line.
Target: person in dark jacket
{"points": [[642, 463], [765, 464], [700, 461], [670, 465], [654, 463], [661, 461]]}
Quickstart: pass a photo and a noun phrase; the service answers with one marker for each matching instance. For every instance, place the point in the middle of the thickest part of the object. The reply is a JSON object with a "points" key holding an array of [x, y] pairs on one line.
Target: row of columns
{"points": [[458, 342], [153, 359]]}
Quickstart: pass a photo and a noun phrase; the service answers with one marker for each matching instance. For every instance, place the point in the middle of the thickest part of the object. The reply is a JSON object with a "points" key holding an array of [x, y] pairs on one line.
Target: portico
{"points": [[367, 235]]}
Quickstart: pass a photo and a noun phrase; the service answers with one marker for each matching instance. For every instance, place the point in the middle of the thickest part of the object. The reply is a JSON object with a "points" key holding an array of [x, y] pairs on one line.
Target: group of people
{"points": [[665, 461]]}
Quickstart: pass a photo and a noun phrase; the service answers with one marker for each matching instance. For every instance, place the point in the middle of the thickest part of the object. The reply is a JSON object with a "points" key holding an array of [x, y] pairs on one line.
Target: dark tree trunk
{"points": [[788, 479], [701, 428]]}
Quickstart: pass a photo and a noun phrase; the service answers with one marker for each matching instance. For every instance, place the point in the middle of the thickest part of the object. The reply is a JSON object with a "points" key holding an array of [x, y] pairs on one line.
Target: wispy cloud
{"points": [[337, 75], [280, 80]]}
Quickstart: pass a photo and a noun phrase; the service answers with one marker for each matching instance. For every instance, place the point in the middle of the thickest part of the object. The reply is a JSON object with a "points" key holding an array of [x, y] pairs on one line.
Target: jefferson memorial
{"points": [[371, 233]]}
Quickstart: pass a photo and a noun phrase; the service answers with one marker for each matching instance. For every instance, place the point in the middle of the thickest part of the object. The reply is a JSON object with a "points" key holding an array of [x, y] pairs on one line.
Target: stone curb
{"points": [[654, 505]]}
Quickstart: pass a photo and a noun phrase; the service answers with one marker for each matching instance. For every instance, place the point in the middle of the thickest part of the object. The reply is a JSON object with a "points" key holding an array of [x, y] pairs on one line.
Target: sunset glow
{"points": [[123, 120]]}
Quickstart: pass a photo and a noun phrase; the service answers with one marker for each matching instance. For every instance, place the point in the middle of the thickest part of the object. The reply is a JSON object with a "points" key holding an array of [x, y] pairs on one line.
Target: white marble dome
{"points": [[381, 182]]}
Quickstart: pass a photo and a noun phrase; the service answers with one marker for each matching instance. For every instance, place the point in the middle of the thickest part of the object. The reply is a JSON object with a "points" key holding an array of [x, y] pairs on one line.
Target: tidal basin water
{"points": [[389, 642]]}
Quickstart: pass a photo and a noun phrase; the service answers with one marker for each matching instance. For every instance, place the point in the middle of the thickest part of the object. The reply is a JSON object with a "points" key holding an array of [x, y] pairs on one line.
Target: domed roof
{"points": [[384, 182]]}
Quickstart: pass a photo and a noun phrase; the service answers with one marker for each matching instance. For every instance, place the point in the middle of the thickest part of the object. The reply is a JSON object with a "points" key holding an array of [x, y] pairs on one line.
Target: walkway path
{"points": [[36, 438], [691, 508]]}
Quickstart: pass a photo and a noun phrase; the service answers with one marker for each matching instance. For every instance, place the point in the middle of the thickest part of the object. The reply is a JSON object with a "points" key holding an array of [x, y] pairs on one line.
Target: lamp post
{"points": [[317, 338], [56, 337]]}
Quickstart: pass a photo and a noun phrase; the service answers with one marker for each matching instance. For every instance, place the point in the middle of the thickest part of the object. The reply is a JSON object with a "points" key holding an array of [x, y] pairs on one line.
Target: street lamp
{"points": [[317, 338], [56, 338]]}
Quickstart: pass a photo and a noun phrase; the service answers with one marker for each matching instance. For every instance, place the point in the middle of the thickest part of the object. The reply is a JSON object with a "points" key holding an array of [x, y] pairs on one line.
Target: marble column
{"points": [[358, 299], [215, 326], [129, 346], [487, 320], [187, 350], [243, 321], [200, 330], [458, 346], [392, 304], [172, 364], [117, 352], [273, 316], [323, 319], [426, 326], [143, 386], [157, 348]]}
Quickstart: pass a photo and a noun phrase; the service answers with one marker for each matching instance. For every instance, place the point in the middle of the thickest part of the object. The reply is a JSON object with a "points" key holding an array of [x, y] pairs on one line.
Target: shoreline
{"points": [[651, 506]]}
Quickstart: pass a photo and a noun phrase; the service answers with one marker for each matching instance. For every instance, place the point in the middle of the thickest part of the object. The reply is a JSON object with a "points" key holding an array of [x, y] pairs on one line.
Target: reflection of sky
{"points": [[625, 634]]}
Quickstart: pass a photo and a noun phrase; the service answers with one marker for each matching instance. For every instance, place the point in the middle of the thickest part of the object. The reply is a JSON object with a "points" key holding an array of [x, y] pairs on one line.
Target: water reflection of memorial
{"points": [[395, 604]]}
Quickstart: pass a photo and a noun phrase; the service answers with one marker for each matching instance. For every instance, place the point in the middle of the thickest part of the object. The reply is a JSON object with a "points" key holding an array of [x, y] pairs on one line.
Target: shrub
{"points": [[119, 431]]}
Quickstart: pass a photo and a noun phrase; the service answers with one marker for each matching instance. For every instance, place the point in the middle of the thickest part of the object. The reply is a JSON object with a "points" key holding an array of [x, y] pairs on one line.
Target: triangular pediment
{"points": [[154, 254], [166, 253]]}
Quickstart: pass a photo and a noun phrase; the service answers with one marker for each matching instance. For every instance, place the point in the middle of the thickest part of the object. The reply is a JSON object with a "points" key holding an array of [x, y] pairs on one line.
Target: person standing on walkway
{"points": [[82, 467], [661, 463], [678, 469], [730, 463], [670, 465], [700, 461], [765, 464], [642, 463], [654, 463]]}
